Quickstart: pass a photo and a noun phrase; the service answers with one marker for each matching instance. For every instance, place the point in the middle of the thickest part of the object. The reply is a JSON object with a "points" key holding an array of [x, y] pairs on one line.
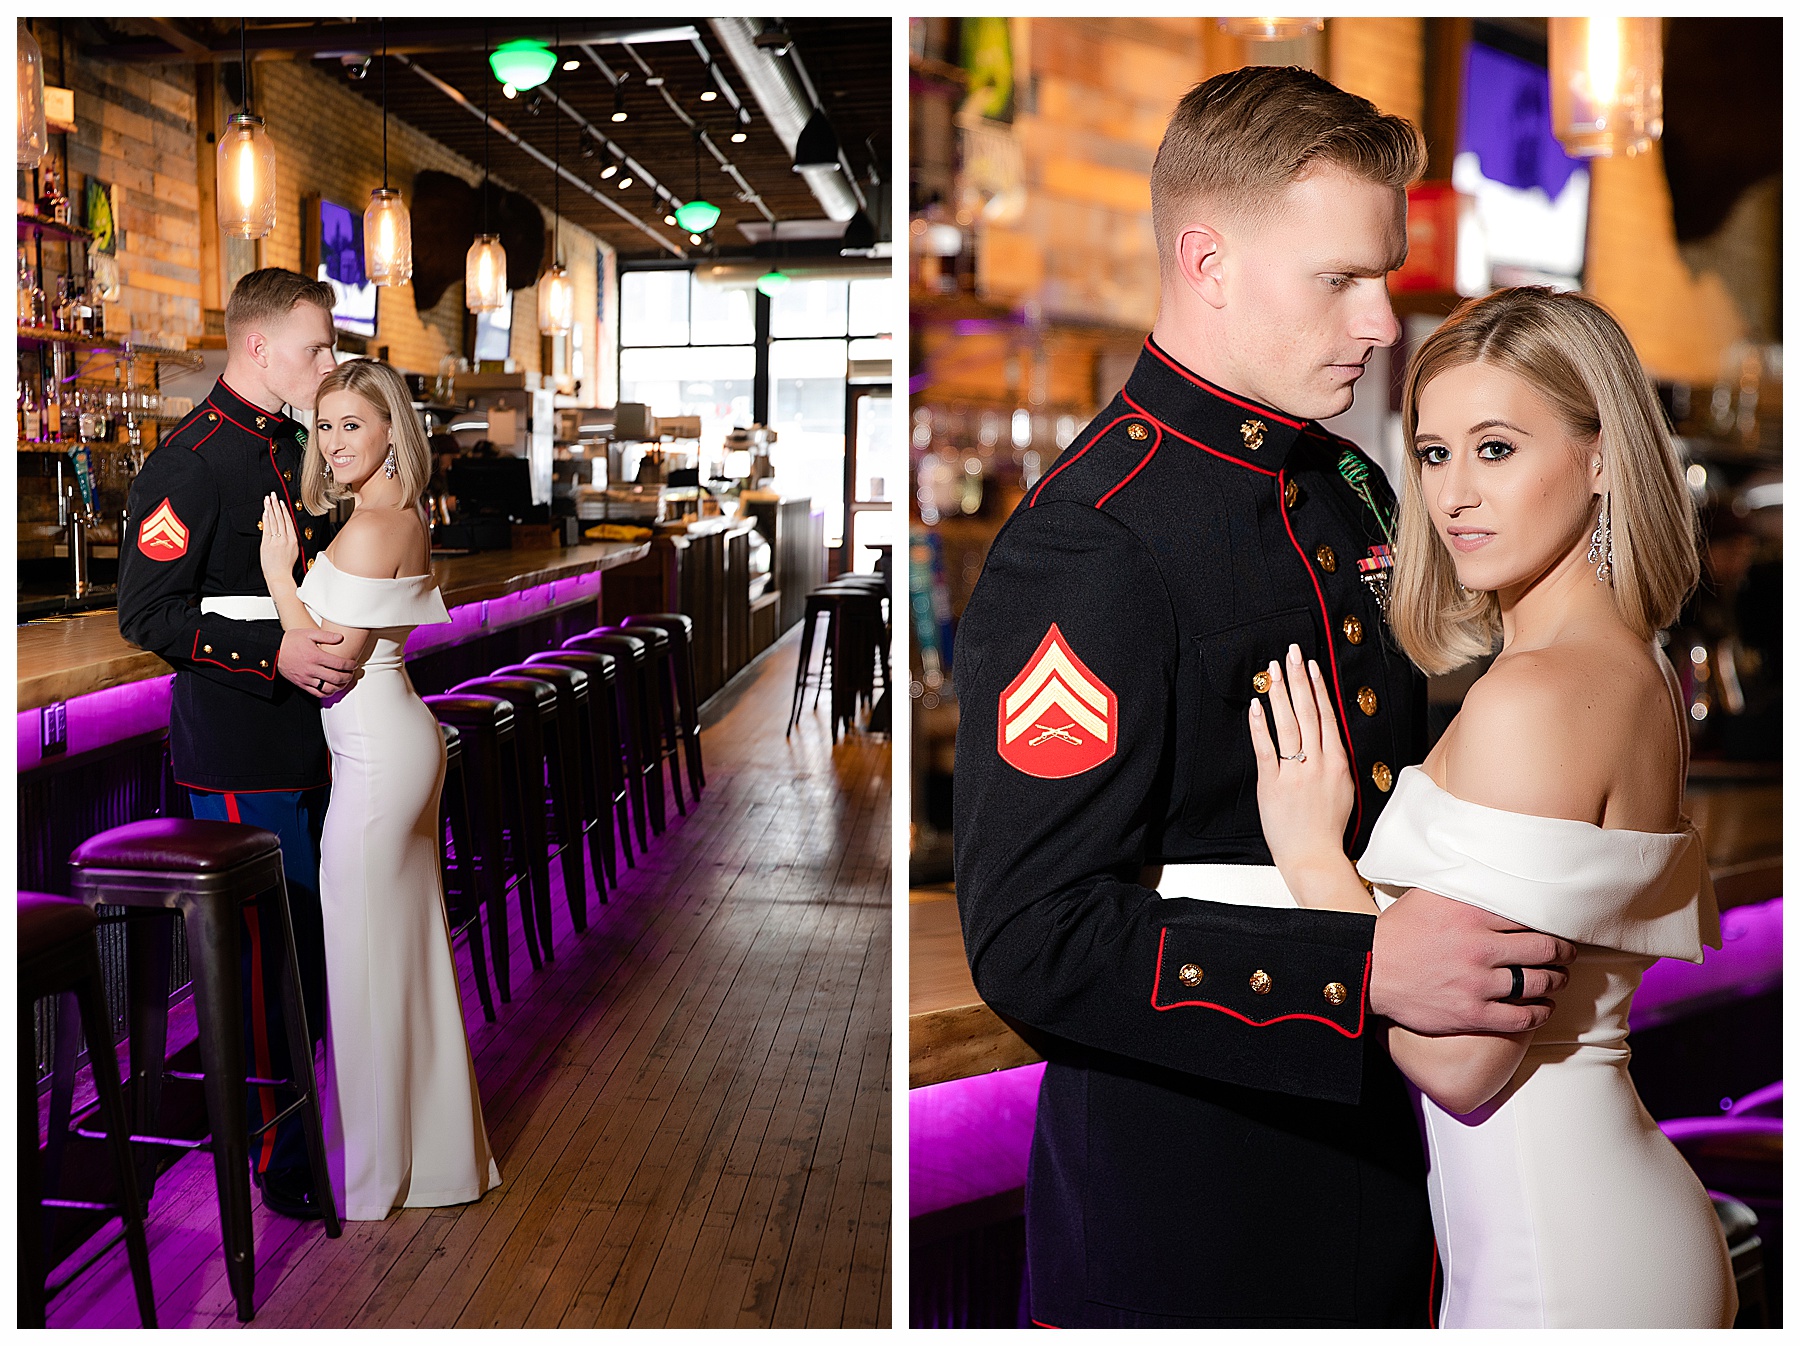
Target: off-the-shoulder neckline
{"points": [[375, 579], [1419, 773]]}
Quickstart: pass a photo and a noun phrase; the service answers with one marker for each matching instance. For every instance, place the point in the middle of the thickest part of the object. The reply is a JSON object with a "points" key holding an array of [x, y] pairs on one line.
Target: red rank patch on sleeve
{"points": [[163, 536], [1057, 719]]}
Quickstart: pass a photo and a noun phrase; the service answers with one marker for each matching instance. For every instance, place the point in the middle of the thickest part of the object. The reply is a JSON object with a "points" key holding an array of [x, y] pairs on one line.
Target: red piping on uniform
{"points": [[1072, 457], [1361, 1012], [1039, 1323], [1330, 650], [208, 435], [1199, 382], [1267, 472], [1431, 1296], [259, 1028], [200, 658], [1134, 471]]}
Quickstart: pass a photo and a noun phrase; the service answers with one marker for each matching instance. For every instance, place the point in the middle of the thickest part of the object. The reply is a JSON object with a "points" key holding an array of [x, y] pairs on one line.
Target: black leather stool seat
{"points": [[680, 629], [471, 711], [46, 923], [168, 845], [58, 956]]}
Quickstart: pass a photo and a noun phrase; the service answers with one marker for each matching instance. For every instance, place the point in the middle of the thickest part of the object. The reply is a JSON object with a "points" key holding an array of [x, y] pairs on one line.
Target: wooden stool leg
{"points": [[516, 805], [149, 954], [96, 1025], [600, 834], [34, 1254], [806, 641], [213, 954], [462, 838], [490, 873], [280, 927], [62, 1101], [565, 799]]}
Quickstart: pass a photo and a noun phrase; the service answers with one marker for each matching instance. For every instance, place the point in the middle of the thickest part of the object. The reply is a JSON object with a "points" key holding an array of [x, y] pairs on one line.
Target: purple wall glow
{"points": [[114, 713], [969, 1138]]}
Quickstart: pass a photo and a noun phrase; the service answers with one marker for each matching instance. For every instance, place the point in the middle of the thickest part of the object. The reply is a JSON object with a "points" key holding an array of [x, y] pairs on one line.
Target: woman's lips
{"points": [[1470, 539]]}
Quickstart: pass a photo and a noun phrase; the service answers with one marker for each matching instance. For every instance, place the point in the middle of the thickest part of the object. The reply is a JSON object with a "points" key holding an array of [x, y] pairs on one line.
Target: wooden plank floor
{"points": [[690, 1105]]}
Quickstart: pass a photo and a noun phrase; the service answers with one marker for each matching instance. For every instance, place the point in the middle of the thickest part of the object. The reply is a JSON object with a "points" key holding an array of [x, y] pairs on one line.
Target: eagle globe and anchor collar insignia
{"points": [[1057, 718]]}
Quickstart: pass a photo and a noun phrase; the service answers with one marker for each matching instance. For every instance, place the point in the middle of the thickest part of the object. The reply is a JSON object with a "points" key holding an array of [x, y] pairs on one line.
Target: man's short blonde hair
{"points": [[1238, 139], [272, 292]]}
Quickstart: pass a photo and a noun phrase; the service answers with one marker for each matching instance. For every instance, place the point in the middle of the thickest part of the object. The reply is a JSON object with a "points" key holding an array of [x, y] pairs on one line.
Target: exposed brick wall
{"points": [[1382, 60], [135, 128]]}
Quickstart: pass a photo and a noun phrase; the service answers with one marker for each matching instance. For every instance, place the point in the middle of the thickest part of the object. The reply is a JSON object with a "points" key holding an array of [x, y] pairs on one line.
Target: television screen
{"points": [[341, 264]]}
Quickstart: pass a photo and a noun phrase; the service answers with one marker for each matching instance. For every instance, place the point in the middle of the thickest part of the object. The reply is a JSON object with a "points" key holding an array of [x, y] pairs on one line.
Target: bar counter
{"points": [[953, 1035], [66, 657]]}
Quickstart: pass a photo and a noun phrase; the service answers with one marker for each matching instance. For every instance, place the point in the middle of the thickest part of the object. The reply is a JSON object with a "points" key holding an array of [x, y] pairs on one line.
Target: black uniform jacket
{"points": [[194, 532], [1221, 1137]]}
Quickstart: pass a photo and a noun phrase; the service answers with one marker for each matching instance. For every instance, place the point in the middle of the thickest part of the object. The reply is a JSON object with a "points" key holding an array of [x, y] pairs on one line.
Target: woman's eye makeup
{"points": [[1432, 454], [1494, 450]]}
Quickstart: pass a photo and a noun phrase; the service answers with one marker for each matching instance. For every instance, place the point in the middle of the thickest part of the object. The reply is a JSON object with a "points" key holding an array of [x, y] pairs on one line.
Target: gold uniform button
{"points": [[1291, 494], [1260, 683], [1382, 776], [1335, 994], [259, 525], [212, 415], [309, 535], [1353, 630], [1261, 982], [265, 663], [234, 654], [1327, 560], [1366, 700], [206, 648], [1137, 431], [1190, 974]]}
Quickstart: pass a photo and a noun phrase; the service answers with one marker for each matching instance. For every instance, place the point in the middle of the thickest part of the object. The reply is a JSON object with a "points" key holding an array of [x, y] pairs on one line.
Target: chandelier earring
{"points": [[325, 469], [1600, 549], [392, 465]]}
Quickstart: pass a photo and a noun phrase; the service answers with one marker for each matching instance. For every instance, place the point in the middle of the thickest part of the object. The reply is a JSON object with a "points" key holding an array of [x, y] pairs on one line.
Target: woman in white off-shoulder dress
{"points": [[403, 1117], [1543, 503]]}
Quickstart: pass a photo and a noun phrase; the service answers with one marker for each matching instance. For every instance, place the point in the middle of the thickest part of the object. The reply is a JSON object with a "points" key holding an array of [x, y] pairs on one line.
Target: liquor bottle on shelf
{"points": [[52, 412], [31, 294], [31, 418], [53, 202]]}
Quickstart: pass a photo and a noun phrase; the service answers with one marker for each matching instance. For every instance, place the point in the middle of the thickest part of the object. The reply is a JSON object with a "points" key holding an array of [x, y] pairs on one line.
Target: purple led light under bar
{"points": [[116, 713]]}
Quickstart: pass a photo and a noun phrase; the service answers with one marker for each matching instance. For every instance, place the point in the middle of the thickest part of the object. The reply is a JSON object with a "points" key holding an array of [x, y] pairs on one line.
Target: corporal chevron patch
{"points": [[1057, 718], [163, 536]]}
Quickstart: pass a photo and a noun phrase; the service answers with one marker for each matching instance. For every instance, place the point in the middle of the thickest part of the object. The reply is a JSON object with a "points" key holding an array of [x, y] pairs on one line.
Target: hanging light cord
{"points": [[556, 174], [244, 66], [384, 176], [484, 135]]}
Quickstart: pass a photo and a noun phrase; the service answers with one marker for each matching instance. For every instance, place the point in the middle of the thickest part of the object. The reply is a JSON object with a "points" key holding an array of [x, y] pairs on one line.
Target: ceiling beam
{"points": [[324, 40]]}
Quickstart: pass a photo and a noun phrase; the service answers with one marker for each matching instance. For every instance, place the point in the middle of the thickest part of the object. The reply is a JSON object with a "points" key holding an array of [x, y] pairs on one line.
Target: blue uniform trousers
{"points": [[297, 817]]}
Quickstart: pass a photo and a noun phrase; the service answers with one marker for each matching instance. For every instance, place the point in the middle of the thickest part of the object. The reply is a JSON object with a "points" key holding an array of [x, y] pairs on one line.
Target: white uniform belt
{"points": [[242, 607], [1240, 885]]}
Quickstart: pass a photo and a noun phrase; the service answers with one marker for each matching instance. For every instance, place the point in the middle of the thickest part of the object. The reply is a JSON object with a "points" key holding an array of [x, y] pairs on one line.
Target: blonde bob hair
{"points": [[1578, 359], [381, 386]]}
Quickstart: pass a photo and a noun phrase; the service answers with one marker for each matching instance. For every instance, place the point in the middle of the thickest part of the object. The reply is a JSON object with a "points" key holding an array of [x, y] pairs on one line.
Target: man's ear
{"points": [[256, 346], [1199, 256]]}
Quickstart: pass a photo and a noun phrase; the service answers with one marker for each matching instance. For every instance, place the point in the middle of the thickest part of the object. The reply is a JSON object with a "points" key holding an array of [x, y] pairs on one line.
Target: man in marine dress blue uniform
{"points": [[245, 736], [1221, 1139]]}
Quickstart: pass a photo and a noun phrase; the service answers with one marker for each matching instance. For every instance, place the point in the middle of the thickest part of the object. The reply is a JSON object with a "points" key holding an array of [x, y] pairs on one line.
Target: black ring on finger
{"points": [[1518, 982]]}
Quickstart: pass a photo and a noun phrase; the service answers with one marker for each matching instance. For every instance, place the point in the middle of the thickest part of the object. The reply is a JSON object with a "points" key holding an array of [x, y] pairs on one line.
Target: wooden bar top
{"points": [[65, 657], [952, 1034]]}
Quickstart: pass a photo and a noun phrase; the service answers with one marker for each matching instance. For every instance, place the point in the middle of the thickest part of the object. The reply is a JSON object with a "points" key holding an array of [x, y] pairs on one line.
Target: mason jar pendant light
{"points": [[1270, 29], [484, 270], [1606, 85], [34, 136], [246, 166], [387, 227], [696, 215], [555, 292]]}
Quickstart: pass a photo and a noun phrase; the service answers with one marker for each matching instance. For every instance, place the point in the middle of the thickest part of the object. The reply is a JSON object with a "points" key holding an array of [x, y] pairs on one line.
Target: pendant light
{"points": [[1271, 30], [697, 215], [523, 64], [484, 270], [246, 165], [1606, 85], [774, 280], [619, 113], [387, 227], [34, 136], [555, 291]]}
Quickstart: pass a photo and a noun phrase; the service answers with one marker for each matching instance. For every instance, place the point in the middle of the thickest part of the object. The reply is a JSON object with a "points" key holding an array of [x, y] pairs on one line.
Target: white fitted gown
{"points": [[1559, 1203], [403, 1123]]}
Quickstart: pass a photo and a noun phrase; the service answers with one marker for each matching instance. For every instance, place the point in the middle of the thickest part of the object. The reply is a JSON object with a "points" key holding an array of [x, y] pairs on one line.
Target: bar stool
{"points": [[612, 791], [844, 670], [631, 662], [58, 957], [462, 905], [489, 738], [567, 740], [661, 693], [680, 629], [208, 871], [534, 712]]}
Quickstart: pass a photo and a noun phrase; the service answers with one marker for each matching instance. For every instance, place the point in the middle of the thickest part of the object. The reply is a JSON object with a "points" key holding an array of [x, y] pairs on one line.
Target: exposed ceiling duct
{"points": [[788, 108]]}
